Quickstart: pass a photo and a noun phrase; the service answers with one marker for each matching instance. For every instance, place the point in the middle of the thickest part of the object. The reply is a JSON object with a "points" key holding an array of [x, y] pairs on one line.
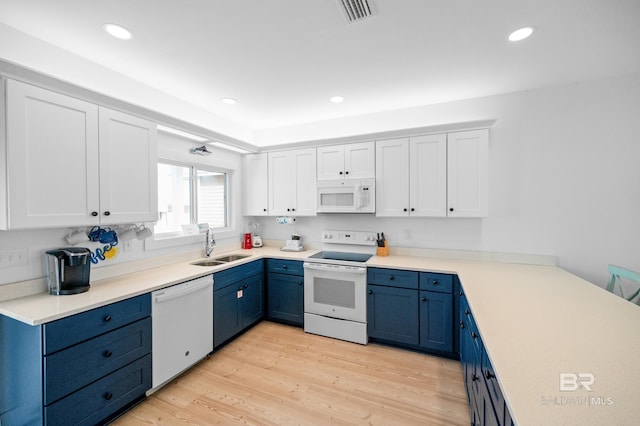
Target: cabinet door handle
{"points": [[466, 312], [489, 375], [461, 324], [404, 210], [474, 378], [412, 209], [264, 210], [340, 172], [474, 335], [450, 209], [370, 292], [108, 395], [346, 173], [424, 299], [107, 318], [245, 286], [288, 210], [293, 210], [107, 213], [94, 214], [107, 353], [300, 282]]}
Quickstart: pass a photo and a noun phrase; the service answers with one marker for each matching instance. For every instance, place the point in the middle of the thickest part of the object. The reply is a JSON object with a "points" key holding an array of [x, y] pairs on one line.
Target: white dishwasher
{"points": [[182, 325]]}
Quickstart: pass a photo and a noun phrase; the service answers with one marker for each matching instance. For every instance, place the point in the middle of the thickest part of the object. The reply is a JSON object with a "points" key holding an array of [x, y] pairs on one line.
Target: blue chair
{"points": [[618, 273]]}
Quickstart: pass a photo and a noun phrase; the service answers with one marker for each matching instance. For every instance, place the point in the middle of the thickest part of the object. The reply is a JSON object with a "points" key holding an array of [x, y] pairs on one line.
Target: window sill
{"points": [[157, 243]]}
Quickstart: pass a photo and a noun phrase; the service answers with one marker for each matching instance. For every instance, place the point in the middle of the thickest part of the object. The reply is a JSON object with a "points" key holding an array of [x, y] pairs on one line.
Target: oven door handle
{"points": [[321, 267]]}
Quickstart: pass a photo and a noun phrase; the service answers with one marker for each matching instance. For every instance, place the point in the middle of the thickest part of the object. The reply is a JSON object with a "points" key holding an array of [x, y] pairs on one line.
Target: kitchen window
{"points": [[189, 194]]}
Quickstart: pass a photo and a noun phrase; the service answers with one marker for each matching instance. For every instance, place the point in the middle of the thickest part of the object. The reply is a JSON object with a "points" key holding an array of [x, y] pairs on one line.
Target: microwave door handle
{"points": [[358, 198]]}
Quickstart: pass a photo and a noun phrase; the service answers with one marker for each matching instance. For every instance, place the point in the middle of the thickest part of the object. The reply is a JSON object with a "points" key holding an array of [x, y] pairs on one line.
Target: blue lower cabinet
{"points": [[393, 314], [285, 298], [95, 403], [436, 321], [236, 307], [81, 370], [486, 402]]}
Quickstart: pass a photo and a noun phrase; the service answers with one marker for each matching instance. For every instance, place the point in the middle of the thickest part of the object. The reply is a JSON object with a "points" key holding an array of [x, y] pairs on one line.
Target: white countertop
{"points": [[535, 321]]}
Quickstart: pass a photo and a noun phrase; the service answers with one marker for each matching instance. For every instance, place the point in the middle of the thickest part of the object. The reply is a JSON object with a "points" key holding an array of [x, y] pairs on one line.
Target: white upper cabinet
{"points": [[72, 163], [428, 176], [292, 182], [468, 173], [128, 168], [256, 187], [351, 161], [442, 175], [392, 177]]}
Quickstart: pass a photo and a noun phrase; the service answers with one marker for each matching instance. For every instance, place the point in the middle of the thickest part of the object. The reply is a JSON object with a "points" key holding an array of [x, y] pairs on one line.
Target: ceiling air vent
{"points": [[356, 10]]}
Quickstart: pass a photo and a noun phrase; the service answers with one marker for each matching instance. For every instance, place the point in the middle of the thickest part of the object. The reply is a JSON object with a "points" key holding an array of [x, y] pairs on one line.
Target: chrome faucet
{"points": [[210, 242]]}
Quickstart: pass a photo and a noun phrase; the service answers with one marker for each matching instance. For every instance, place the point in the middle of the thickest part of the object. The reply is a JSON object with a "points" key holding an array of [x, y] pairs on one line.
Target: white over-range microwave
{"points": [[347, 196]]}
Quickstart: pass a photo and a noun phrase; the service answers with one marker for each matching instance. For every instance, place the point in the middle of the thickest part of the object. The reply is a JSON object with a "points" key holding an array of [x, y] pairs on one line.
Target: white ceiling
{"points": [[283, 59]]}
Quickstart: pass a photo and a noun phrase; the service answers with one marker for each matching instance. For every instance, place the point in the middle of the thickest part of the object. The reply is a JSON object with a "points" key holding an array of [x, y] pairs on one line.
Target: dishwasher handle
{"points": [[181, 290]]}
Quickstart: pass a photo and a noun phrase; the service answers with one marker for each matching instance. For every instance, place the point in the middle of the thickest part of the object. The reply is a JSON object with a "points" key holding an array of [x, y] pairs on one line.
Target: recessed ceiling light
{"points": [[521, 33], [117, 31], [337, 99], [228, 101]]}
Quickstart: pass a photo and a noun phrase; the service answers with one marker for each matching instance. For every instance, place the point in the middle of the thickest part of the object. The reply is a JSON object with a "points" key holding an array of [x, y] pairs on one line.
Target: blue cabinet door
{"points": [[227, 316], [285, 298], [392, 314], [436, 321], [252, 300]]}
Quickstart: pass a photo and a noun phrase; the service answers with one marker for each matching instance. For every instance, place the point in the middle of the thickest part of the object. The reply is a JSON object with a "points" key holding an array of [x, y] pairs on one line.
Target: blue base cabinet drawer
{"points": [[282, 266], [75, 367], [441, 283], [94, 403], [230, 276], [71, 330], [393, 277]]}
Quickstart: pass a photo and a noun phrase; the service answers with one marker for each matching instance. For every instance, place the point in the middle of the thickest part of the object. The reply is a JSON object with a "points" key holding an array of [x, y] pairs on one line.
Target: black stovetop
{"points": [[341, 255]]}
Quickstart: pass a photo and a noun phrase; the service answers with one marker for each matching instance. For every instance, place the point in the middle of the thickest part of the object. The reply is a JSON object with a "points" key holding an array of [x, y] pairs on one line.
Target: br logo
{"points": [[573, 381]]}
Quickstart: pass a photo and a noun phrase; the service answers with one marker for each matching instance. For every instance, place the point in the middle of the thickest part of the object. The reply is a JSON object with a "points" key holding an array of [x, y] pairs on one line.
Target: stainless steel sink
{"points": [[220, 260], [231, 257], [209, 262]]}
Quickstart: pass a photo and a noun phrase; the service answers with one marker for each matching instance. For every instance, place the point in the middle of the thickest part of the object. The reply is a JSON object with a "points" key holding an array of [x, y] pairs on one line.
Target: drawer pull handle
{"points": [[466, 312], [284, 266], [391, 278], [107, 353], [474, 335], [300, 282], [370, 292], [245, 286], [461, 324], [435, 282], [424, 299], [107, 318], [474, 378], [108, 396], [489, 375]]}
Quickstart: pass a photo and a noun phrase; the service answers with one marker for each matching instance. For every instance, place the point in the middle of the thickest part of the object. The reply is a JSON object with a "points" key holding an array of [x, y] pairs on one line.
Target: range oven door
{"points": [[336, 291]]}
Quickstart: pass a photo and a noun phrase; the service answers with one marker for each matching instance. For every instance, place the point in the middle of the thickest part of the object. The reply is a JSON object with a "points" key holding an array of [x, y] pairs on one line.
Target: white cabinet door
{"points": [[360, 160], [351, 161], [256, 187], [292, 182], [128, 169], [392, 177], [280, 183], [52, 159], [330, 162], [304, 178], [468, 173], [428, 175]]}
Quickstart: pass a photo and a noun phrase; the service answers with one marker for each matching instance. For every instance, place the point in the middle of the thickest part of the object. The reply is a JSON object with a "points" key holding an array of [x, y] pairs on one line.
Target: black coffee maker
{"points": [[68, 270]]}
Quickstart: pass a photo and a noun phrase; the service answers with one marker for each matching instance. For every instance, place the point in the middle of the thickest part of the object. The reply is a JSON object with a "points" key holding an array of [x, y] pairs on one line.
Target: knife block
{"points": [[383, 251]]}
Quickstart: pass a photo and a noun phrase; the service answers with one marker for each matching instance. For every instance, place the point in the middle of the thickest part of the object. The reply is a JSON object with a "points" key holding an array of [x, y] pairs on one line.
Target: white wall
{"points": [[564, 178]]}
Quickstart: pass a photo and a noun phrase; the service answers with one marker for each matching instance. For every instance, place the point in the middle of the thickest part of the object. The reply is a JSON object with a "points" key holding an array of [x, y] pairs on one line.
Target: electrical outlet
{"points": [[16, 257]]}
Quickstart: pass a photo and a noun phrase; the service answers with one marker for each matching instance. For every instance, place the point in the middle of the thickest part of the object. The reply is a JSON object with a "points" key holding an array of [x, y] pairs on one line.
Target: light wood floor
{"points": [[276, 374]]}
